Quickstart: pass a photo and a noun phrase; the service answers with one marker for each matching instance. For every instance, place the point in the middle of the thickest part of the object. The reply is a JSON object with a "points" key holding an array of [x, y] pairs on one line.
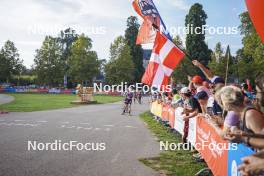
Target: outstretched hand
{"points": [[196, 63], [252, 165]]}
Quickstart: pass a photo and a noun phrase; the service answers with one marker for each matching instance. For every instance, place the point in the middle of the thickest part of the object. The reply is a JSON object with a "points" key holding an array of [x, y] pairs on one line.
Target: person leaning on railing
{"points": [[254, 165], [260, 91], [232, 99], [191, 109]]}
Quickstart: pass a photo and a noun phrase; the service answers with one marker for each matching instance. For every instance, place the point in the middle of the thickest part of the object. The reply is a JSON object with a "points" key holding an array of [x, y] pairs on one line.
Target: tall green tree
{"points": [[66, 38], [135, 50], [250, 57], [48, 64], [4, 69], [84, 63], [120, 67], [10, 63], [195, 39]]}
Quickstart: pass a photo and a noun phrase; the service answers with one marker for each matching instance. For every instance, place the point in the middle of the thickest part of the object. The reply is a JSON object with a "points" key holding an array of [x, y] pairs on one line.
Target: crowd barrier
{"points": [[37, 90], [50, 91], [222, 160]]}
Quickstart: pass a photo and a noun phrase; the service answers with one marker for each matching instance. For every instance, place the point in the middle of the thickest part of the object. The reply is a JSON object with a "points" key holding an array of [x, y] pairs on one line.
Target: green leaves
{"points": [[10, 63], [120, 68], [48, 64], [135, 50], [195, 44], [84, 64], [251, 56], [69, 54]]}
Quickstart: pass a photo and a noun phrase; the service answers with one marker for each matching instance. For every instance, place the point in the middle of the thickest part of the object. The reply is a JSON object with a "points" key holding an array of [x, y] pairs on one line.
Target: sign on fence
{"points": [[221, 156]]}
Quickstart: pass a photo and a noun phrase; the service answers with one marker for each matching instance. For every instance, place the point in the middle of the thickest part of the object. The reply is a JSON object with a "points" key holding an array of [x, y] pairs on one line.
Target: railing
{"points": [[221, 156]]}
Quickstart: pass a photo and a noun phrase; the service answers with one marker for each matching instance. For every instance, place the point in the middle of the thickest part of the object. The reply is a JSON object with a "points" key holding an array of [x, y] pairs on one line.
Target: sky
{"points": [[27, 22]]}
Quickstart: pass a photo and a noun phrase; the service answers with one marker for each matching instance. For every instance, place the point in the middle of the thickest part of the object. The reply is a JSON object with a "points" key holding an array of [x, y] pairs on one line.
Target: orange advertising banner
{"points": [[159, 110], [212, 147], [171, 117], [165, 112]]}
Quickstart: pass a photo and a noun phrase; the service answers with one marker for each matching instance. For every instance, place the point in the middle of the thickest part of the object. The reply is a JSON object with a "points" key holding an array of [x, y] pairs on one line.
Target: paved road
{"points": [[127, 139], [5, 99]]}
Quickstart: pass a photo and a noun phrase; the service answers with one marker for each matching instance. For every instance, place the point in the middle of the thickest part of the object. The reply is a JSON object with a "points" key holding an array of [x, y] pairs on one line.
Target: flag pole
{"points": [[227, 64]]}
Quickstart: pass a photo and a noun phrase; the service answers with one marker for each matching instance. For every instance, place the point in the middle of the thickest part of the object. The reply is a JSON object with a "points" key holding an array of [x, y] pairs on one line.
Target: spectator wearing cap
{"points": [[207, 103], [210, 107], [197, 83], [191, 109]]}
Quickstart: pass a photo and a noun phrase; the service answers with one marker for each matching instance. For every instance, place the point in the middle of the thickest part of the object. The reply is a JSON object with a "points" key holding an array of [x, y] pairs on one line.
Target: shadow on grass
{"points": [[171, 163]]}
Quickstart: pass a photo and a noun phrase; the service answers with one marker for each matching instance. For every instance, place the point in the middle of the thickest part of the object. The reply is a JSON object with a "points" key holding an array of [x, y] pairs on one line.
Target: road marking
{"points": [[79, 128], [33, 125], [19, 124], [19, 120], [85, 123], [130, 126], [42, 121], [97, 129], [88, 128], [109, 125], [107, 129]]}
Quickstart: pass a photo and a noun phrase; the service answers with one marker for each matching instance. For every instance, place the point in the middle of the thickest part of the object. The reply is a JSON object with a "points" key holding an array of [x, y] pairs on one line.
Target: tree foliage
{"points": [[249, 60], [135, 50], [120, 67], [218, 63], [195, 39], [251, 56], [84, 63], [48, 64], [10, 63]]}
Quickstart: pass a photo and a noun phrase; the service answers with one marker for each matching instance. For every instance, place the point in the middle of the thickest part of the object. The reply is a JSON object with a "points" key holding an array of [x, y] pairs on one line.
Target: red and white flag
{"points": [[148, 11], [164, 59]]}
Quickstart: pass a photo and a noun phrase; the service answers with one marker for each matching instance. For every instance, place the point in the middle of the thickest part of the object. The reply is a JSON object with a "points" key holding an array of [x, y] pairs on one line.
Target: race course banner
{"points": [[222, 157], [234, 158], [192, 130], [179, 123], [212, 147], [171, 117], [165, 112]]}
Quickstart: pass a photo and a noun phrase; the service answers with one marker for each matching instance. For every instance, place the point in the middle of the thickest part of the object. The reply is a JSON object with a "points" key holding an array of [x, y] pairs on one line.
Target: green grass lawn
{"points": [[171, 163], [40, 102]]}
